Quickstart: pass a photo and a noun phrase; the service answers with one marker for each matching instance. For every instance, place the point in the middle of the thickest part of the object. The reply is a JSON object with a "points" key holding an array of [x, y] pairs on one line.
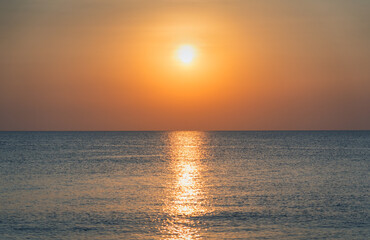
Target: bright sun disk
{"points": [[186, 53]]}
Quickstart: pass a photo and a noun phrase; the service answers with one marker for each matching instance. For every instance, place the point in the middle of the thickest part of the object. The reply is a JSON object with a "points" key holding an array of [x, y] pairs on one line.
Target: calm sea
{"points": [[185, 185]]}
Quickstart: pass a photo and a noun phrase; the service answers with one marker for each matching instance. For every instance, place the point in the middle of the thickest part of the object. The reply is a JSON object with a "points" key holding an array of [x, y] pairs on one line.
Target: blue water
{"points": [[185, 185]]}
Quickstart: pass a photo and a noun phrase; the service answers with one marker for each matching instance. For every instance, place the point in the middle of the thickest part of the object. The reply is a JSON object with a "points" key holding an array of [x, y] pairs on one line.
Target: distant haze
{"points": [[109, 65]]}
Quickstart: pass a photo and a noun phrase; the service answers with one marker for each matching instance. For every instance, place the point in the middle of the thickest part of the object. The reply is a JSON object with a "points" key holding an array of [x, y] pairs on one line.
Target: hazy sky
{"points": [[111, 65]]}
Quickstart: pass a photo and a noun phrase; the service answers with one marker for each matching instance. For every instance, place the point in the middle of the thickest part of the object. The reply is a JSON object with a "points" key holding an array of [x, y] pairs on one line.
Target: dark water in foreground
{"points": [[184, 185]]}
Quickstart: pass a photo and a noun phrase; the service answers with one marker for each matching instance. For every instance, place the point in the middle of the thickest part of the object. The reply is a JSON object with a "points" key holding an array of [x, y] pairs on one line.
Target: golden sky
{"points": [[112, 65]]}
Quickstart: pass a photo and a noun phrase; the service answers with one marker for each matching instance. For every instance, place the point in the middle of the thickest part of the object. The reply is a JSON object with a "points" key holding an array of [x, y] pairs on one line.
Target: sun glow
{"points": [[186, 54]]}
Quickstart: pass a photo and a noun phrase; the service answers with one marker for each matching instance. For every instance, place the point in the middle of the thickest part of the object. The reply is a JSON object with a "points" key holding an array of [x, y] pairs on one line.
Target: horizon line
{"points": [[180, 130]]}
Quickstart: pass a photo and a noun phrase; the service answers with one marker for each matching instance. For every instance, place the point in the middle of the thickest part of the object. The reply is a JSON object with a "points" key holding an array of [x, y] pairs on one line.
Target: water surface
{"points": [[184, 185]]}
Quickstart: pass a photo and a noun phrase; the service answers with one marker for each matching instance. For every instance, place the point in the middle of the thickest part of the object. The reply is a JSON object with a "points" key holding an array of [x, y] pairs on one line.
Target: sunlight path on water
{"points": [[187, 196]]}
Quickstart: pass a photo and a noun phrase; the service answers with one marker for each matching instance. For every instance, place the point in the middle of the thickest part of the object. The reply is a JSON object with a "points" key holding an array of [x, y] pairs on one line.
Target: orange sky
{"points": [[111, 65]]}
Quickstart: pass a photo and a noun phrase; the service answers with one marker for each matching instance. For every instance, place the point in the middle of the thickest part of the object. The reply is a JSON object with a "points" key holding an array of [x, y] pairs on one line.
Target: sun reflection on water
{"points": [[187, 197]]}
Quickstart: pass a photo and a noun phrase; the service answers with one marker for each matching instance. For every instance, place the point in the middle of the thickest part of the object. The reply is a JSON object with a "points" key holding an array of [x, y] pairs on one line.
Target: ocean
{"points": [[185, 185]]}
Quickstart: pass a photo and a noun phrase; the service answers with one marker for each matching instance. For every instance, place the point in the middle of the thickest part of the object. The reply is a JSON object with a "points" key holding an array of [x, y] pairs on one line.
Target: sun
{"points": [[186, 53]]}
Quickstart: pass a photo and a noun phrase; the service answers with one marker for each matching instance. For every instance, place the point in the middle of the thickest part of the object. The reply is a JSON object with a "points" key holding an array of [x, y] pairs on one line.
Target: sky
{"points": [[111, 65]]}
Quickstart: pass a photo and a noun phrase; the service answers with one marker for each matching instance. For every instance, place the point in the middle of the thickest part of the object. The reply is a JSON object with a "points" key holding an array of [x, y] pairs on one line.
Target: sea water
{"points": [[185, 185]]}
